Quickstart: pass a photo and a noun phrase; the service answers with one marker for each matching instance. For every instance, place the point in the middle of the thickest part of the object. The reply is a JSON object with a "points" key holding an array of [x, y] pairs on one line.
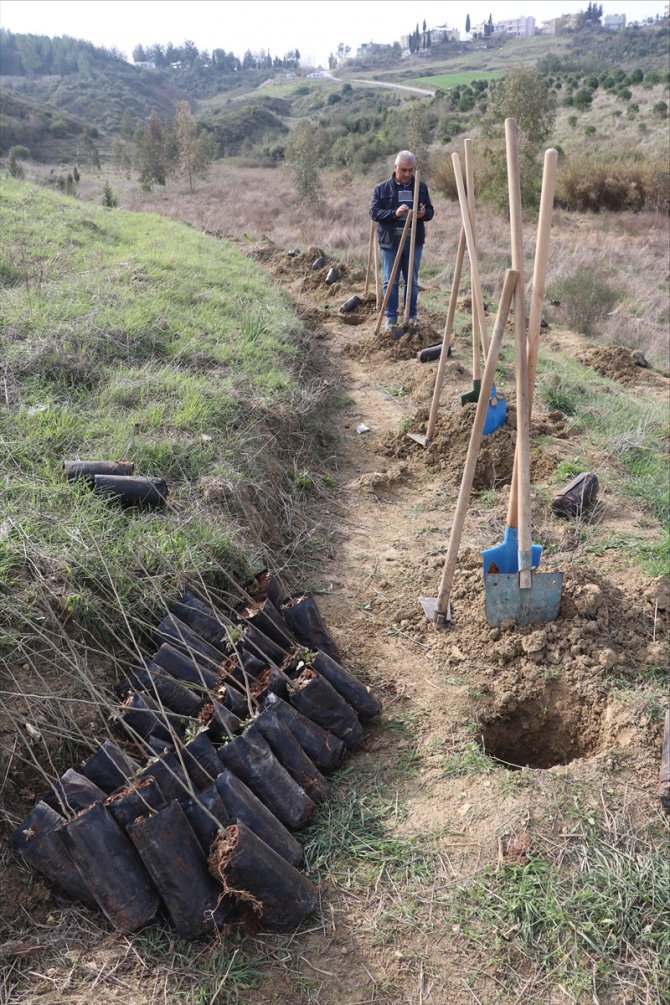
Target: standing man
{"points": [[391, 202]]}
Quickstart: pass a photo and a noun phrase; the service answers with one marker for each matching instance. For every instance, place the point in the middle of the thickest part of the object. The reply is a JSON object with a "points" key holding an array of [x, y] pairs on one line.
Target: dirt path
{"points": [[537, 697]]}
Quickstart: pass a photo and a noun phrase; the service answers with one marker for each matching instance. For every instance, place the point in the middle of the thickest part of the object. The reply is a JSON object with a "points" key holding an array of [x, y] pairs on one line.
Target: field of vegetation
{"points": [[497, 837]]}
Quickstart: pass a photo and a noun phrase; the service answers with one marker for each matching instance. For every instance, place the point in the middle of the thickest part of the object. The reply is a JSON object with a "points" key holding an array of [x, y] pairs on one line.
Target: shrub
{"points": [[624, 94], [572, 120], [660, 109], [589, 130], [568, 101], [590, 185], [586, 299], [108, 198], [583, 98]]}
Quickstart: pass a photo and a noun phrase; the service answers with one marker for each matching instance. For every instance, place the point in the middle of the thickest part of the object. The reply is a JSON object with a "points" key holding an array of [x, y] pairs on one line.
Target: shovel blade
{"points": [[419, 438], [496, 413], [505, 600], [505, 557], [429, 605]]}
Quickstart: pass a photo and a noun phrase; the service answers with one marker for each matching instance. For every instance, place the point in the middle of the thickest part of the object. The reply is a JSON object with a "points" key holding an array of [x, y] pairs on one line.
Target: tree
{"points": [[303, 162], [151, 154], [193, 151], [524, 96], [467, 24]]}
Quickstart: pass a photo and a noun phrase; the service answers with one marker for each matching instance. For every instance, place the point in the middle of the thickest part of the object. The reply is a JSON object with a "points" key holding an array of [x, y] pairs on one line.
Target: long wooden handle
{"points": [[470, 239], [537, 296], [371, 244], [476, 435], [540, 266], [394, 272], [446, 338], [521, 484], [378, 293], [412, 245], [478, 330]]}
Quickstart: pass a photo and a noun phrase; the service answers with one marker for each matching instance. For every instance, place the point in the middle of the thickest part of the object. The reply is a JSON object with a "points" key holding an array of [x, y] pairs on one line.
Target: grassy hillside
{"points": [[129, 336]]}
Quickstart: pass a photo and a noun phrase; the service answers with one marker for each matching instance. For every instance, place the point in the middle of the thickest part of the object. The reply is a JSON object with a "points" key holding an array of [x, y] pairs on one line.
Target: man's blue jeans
{"points": [[388, 258]]}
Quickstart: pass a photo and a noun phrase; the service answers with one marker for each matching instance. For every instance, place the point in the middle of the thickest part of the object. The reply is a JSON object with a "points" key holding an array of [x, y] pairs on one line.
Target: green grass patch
{"points": [[585, 913], [444, 81], [132, 336]]}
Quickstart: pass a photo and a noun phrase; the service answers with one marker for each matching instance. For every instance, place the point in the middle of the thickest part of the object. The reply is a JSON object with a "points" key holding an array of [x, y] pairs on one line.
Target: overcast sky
{"points": [[313, 26]]}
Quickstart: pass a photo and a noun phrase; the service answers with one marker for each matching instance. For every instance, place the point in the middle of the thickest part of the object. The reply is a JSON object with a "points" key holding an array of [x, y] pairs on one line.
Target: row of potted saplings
{"points": [[205, 826]]}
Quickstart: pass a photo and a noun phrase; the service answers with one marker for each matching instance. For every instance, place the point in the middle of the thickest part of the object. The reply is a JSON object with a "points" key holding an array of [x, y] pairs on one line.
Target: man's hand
{"points": [[402, 210], [422, 211]]}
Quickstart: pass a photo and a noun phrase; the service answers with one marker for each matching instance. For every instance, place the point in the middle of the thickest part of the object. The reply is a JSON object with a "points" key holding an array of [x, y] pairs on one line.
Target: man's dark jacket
{"points": [[383, 211]]}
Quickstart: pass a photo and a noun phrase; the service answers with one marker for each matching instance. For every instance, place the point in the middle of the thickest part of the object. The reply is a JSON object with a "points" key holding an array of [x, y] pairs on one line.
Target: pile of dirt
{"points": [[448, 450], [403, 347], [614, 362]]}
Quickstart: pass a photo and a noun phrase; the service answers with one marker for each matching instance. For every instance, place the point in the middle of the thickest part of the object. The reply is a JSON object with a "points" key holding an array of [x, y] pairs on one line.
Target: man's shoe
{"points": [[390, 323]]}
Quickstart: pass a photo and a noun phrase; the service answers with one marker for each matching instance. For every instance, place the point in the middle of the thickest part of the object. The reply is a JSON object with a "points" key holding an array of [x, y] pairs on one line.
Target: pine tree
{"points": [[467, 24], [151, 151], [193, 151]]}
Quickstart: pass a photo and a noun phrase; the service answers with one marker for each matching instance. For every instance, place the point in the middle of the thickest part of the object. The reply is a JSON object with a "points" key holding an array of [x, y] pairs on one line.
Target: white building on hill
{"points": [[614, 22]]}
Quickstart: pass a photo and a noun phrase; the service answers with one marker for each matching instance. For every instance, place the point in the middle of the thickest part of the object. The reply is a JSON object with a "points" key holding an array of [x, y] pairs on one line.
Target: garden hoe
{"points": [[504, 557], [522, 596], [496, 407], [421, 438], [438, 609]]}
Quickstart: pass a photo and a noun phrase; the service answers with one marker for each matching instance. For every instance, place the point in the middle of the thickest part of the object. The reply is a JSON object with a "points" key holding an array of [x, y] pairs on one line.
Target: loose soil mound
{"points": [[405, 347], [614, 362]]}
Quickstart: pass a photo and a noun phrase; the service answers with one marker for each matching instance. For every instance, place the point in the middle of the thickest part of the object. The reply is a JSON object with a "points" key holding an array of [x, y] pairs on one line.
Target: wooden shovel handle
{"points": [[520, 515], [446, 338], [537, 296], [476, 434], [371, 244], [378, 296], [470, 241], [412, 245], [394, 272], [478, 330]]}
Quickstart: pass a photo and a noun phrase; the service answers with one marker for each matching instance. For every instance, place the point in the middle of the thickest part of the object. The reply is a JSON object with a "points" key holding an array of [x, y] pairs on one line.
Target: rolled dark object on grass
{"points": [[207, 622], [351, 304], [268, 585], [266, 618], [220, 723], [349, 687], [579, 495], [164, 689], [323, 748], [131, 490], [312, 695], [186, 667], [138, 799], [290, 754], [259, 878], [301, 613], [431, 353], [180, 635], [109, 767], [177, 865], [207, 814], [111, 869], [37, 840], [72, 792], [252, 760], [242, 804], [87, 470]]}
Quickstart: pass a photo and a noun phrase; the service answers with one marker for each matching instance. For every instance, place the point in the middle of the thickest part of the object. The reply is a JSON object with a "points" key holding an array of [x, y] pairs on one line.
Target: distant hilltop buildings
{"points": [[421, 43]]}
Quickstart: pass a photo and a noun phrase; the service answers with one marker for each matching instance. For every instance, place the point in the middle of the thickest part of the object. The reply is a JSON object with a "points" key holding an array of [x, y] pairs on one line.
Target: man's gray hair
{"points": [[405, 155]]}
